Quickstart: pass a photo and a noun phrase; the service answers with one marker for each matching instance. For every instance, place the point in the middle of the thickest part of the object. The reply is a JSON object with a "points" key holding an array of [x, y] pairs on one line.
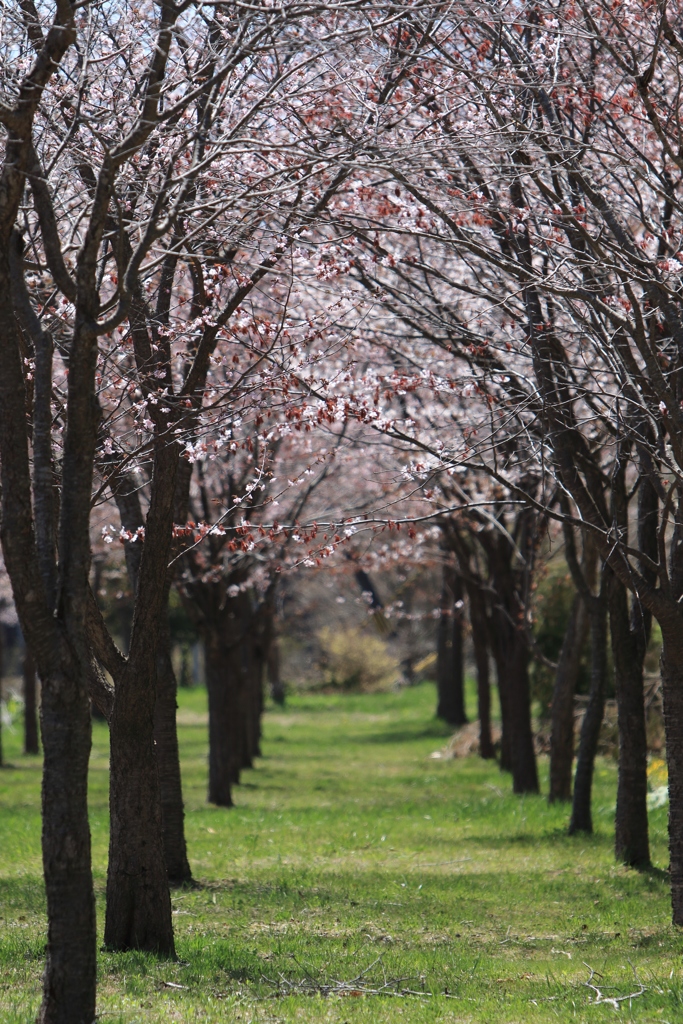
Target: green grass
{"points": [[350, 847]]}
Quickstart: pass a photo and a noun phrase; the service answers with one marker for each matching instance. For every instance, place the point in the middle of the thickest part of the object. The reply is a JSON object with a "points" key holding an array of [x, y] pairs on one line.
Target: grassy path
{"points": [[349, 847]]}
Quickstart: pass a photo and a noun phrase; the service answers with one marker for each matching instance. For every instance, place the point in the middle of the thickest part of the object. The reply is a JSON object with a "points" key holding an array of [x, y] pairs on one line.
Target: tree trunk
{"points": [[222, 710], [138, 898], [631, 843], [263, 637], [138, 901], [127, 498], [512, 665], [505, 720], [168, 766], [256, 693], [524, 773], [244, 657], [581, 819], [227, 722], [630, 637], [480, 642], [58, 645], [277, 689], [450, 667], [185, 682], [30, 705], [672, 691], [71, 961], [562, 710]]}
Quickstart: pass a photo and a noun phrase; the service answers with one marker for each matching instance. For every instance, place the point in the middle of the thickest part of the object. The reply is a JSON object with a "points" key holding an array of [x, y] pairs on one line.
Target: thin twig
{"points": [[611, 1000]]}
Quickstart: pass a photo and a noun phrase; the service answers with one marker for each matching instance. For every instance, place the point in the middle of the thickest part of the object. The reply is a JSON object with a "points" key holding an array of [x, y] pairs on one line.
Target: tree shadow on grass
{"points": [[434, 730]]}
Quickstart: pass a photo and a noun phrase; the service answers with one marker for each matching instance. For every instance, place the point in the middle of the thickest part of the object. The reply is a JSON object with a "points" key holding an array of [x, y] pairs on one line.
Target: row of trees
{"points": [[543, 267], [526, 254], [367, 267]]}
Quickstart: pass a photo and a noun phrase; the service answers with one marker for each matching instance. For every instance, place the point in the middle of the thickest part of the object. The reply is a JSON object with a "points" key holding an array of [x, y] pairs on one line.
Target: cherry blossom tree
{"points": [[526, 221], [162, 148]]}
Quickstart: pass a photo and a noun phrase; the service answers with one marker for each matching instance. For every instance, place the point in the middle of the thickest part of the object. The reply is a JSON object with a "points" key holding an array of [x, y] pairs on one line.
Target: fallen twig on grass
{"points": [[309, 986], [611, 1000], [392, 987]]}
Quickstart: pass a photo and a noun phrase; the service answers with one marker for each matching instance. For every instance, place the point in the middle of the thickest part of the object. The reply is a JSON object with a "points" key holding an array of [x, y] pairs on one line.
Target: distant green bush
{"points": [[552, 608], [354, 660]]}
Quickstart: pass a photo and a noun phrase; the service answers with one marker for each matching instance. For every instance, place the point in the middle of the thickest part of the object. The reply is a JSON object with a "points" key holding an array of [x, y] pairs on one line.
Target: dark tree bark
{"points": [[138, 899], [70, 969], [581, 818], [223, 710], [631, 841], [277, 688], [260, 641], [511, 652], [562, 709], [228, 683], [672, 692], [480, 642], [267, 657], [630, 637], [242, 671], [168, 765], [30, 705], [59, 647], [232, 640], [524, 773], [126, 494], [138, 902], [368, 587], [512, 667], [506, 726], [450, 667], [54, 629]]}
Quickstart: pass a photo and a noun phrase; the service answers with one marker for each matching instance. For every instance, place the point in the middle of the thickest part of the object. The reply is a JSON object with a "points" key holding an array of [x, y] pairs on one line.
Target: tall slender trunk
{"points": [[524, 773], [69, 979], [512, 665], [631, 842], [225, 718], [480, 642], [630, 637], [672, 691], [506, 727], [562, 710], [256, 694], [226, 630], [58, 644], [277, 689], [138, 900], [244, 659], [581, 818], [168, 765], [266, 643], [509, 580], [57, 639], [30, 705], [450, 666], [127, 497]]}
